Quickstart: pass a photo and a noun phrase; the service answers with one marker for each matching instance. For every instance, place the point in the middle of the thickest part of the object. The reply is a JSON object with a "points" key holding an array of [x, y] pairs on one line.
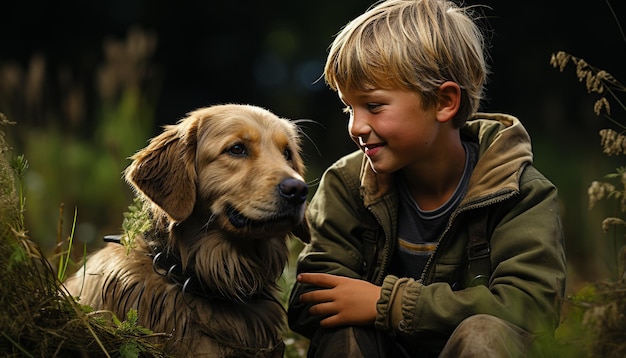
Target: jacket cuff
{"points": [[389, 312]]}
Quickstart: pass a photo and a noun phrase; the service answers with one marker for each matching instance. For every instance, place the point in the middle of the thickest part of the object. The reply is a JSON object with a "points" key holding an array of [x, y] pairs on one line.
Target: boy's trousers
{"points": [[481, 336]]}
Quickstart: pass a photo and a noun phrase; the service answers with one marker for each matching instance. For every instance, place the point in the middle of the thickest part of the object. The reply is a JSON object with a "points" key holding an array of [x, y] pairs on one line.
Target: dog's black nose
{"points": [[294, 190]]}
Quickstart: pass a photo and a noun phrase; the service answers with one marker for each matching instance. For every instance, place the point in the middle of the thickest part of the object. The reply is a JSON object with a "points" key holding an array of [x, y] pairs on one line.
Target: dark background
{"points": [[270, 53]]}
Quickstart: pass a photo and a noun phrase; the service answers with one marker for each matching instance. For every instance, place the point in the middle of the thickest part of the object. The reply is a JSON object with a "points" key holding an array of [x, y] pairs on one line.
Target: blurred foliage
{"points": [[78, 149], [595, 324]]}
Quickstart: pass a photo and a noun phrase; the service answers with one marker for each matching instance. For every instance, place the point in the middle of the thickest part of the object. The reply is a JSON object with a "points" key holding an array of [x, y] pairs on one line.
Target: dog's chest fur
{"points": [[210, 326]]}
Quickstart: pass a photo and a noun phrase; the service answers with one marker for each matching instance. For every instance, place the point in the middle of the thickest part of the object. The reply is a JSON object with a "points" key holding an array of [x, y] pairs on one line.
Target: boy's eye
{"points": [[371, 107]]}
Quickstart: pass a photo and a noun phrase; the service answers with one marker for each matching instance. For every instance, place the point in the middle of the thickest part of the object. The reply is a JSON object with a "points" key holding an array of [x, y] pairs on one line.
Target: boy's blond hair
{"points": [[414, 44]]}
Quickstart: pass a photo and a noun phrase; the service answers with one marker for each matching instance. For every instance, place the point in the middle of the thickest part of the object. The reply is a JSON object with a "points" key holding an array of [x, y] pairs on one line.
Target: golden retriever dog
{"points": [[225, 192]]}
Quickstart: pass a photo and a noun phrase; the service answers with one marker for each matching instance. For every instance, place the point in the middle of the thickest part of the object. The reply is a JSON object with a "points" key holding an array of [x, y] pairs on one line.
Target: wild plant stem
{"points": [[22, 203], [65, 261], [619, 26]]}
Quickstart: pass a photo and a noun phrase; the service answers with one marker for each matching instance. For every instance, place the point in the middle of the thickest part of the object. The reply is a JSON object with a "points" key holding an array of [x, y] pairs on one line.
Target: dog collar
{"points": [[169, 265]]}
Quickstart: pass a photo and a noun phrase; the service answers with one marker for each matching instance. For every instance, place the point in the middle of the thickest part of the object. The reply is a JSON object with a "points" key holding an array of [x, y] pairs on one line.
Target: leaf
{"points": [[130, 349]]}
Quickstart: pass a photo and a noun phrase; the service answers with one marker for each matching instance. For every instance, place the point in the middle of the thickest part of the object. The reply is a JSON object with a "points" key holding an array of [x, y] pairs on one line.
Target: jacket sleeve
{"points": [[334, 218], [528, 274]]}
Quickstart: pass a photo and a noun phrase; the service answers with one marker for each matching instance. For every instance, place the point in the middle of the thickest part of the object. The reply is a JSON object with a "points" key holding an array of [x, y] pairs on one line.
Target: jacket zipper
{"points": [[481, 203], [386, 252]]}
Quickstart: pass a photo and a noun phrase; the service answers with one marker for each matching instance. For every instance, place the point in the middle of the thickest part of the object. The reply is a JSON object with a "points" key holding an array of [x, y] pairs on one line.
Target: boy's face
{"points": [[392, 127]]}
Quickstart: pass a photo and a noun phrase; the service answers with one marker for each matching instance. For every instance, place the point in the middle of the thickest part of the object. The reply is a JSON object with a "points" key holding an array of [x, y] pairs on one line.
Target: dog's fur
{"points": [[225, 190]]}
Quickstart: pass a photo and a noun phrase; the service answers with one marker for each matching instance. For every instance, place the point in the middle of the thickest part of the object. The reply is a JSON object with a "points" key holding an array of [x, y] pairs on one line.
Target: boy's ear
{"points": [[448, 101]]}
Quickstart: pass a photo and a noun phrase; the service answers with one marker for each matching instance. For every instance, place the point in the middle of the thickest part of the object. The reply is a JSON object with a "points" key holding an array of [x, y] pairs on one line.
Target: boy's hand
{"points": [[346, 301]]}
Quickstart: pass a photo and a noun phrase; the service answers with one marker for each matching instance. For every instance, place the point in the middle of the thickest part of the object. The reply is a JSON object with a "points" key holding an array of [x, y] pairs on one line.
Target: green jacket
{"points": [[353, 223]]}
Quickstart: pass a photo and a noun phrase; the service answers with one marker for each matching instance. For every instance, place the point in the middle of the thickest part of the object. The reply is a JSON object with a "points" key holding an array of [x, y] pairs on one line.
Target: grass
{"points": [[37, 316]]}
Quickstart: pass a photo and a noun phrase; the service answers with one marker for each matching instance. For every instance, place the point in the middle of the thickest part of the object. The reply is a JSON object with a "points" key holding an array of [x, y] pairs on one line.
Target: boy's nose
{"points": [[358, 127]]}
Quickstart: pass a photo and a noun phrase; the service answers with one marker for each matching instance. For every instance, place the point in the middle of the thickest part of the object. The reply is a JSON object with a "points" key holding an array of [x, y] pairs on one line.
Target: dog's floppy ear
{"points": [[164, 171]]}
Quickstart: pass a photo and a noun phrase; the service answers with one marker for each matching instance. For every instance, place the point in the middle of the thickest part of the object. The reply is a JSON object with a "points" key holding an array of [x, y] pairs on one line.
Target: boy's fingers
{"points": [[316, 296], [323, 309], [319, 279]]}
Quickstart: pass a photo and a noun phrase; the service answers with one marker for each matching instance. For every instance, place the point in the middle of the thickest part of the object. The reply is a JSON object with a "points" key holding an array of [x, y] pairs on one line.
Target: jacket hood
{"points": [[504, 150]]}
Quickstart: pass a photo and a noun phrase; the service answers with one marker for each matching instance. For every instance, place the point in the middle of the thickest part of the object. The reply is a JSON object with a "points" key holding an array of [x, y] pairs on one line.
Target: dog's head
{"points": [[237, 166]]}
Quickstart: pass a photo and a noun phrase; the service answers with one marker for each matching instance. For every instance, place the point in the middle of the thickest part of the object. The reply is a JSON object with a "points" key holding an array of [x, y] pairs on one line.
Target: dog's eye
{"points": [[288, 154], [237, 150]]}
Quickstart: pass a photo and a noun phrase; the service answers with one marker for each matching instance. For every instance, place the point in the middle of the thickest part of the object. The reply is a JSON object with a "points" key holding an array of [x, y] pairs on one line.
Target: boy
{"points": [[438, 237]]}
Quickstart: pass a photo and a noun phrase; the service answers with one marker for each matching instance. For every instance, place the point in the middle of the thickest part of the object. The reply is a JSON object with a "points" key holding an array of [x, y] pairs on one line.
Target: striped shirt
{"points": [[419, 230]]}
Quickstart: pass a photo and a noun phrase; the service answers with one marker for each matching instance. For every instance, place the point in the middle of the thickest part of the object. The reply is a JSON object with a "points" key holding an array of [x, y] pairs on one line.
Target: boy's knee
{"points": [[353, 341], [487, 336], [338, 342], [482, 324]]}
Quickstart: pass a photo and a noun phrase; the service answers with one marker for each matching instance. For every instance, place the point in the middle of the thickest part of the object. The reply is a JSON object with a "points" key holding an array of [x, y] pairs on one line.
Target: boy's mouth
{"points": [[371, 149]]}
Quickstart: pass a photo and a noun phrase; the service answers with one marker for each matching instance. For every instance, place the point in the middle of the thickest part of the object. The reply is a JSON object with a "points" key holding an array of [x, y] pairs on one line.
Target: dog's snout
{"points": [[294, 190]]}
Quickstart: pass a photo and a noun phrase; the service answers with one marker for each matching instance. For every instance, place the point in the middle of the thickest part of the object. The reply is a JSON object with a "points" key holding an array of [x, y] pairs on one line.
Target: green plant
{"points": [[65, 257], [136, 221], [596, 320], [19, 165]]}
